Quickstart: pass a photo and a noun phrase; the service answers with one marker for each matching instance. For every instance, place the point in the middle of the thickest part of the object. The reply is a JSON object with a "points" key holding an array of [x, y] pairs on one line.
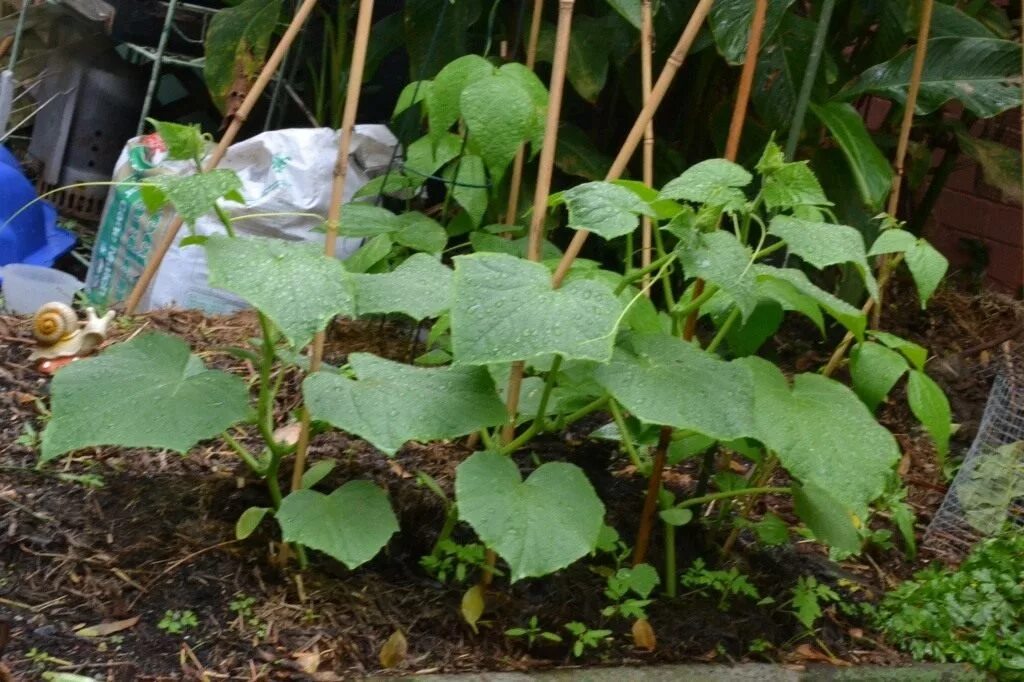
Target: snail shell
{"points": [[54, 322]]}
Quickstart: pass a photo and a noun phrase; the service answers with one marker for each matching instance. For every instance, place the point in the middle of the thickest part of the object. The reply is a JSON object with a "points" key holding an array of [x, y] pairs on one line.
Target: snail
{"points": [[59, 333]]}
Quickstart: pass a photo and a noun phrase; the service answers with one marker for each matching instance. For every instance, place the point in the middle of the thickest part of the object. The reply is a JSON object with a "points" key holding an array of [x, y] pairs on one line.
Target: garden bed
{"points": [[118, 534]]}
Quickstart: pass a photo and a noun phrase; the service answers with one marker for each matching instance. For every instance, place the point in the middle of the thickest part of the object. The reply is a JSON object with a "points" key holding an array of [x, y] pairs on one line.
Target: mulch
{"points": [[122, 535]]}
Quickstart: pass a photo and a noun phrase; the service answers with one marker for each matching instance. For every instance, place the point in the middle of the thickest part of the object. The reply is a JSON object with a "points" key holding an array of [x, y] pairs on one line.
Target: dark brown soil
{"points": [[158, 535]]}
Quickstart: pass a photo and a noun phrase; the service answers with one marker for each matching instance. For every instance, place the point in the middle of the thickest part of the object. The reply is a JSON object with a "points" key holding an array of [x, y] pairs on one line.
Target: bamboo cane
{"points": [[646, 69], [920, 54], [540, 201], [668, 74], [515, 185], [348, 123], [239, 119], [732, 146]]}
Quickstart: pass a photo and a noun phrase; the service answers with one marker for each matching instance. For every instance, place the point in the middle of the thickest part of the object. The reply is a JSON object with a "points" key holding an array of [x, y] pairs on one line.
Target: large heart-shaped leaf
{"points": [[505, 310], [661, 379], [294, 284], [718, 257], [605, 209], [391, 403], [444, 96], [351, 524], [827, 518], [983, 73], [470, 186], [538, 525], [823, 244], [533, 86], [420, 287], [499, 115], [716, 182], [589, 49], [192, 196], [788, 185], [149, 392], [868, 166], [823, 434]]}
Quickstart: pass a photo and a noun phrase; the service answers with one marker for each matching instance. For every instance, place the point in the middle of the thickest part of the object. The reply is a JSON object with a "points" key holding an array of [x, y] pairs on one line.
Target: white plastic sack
{"points": [[282, 172]]}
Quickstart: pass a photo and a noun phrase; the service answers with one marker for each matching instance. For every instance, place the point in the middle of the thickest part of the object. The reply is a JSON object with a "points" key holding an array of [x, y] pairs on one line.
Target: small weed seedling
{"points": [[625, 586], [533, 632], [726, 584], [177, 622], [808, 597], [454, 561], [241, 606], [585, 638]]}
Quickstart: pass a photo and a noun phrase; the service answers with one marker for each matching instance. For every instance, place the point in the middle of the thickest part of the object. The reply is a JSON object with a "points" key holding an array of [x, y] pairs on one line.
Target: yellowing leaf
{"points": [[104, 629], [473, 605], [394, 650], [643, 635]]}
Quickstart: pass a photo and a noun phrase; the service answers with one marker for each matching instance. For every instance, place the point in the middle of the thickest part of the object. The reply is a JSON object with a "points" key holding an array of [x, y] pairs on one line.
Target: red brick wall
{"points": [[971, 216]]}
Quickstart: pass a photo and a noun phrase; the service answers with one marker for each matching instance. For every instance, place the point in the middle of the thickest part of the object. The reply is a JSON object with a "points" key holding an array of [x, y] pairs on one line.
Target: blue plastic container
{"points": [[31, 235]]}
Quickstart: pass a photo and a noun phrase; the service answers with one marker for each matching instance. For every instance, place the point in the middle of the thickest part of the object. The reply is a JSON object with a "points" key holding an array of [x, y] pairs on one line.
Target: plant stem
{"points": [[451, 520], [723, 330], [643, 536], [727, 494], [917, 70], [242, 452], [589, 408], [223, 217], [537, 425], [666, 283], [625, 435], [642, 273], [810, 75], [646, 75], [671, 577], [696, 303], [265, 400]]}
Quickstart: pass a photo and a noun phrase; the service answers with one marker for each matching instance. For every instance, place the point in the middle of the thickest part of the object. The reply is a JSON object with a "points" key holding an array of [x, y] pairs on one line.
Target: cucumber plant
{"points": [[594, 342]]}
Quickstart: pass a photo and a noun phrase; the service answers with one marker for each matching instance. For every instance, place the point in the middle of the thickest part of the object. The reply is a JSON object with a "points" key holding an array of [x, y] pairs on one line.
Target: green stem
{"points": [[810, 75], [627, 437], [723, 330], [244, 454], [265, 401], [695, 304], [579, 414], [768, 250], [537, 425], [224, 219], [659, 244], [628, 260], [450, 521], [489, 443], [635, 275], [726, 494], [671, 577]]}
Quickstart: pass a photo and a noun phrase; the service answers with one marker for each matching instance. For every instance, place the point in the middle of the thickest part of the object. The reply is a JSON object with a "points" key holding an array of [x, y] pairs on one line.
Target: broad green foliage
{"points": [[482, 241], [719, 258], [294, 284], [730, 23], [538, 525], [853, 469], [915, 354], [824, 244], [192, 196], [373, 251], [499, 115], [788, 185], [236, 44], [715, 182], [415, 230], [351, 524], [971, 613], [924, 261], [443, 97], [419, 287], [648, 371], [390, 404], [470, 189], [870, 169], [505, 310], [982, 73], [605, 209], [249, 521], [829, 521], [930, 406], [875, 369], [147, 392], [1000, 165], [795, 280], [183, 142]]}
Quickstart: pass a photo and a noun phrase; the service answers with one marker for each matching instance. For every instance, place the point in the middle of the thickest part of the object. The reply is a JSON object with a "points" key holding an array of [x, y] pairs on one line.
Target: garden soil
{"points": [[118, 538]]}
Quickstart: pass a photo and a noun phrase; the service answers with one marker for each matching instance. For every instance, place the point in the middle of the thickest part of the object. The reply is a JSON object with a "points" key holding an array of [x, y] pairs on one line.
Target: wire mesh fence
{"points": [[988, 491]]}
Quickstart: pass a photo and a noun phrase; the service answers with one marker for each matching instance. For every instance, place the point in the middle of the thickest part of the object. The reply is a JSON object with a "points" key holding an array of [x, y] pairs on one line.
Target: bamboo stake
{"points": [[516, 183], [920, 54], [886, 265], [739, 115], [348, 123], [540, 203], [668, 74], [646, 69], [240, 117]]}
